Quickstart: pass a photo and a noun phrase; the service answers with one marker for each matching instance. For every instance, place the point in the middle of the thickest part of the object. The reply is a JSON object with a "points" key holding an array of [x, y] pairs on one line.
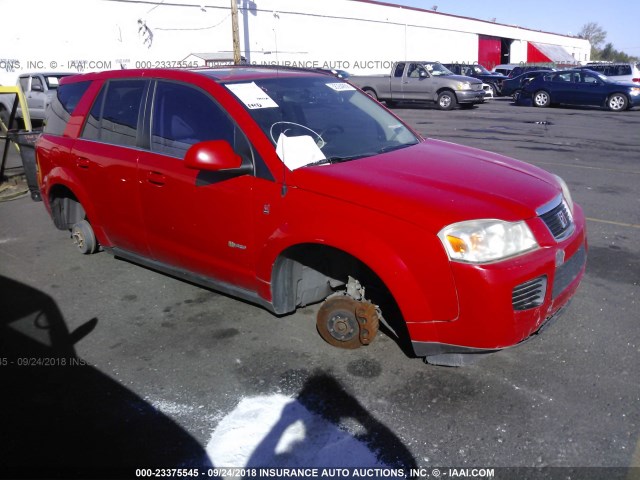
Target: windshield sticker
{"points": [[252, 95], [340, 87]]}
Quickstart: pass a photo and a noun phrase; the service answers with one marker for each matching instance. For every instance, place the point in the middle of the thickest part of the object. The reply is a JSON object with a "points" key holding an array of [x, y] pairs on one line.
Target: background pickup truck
{"points": [[39, 89], [422, 81]]}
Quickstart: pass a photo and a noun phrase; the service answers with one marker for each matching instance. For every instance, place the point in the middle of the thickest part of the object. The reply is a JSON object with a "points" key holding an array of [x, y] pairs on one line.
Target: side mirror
{"points": [[213, 156], [423, 74], [37, 88]]}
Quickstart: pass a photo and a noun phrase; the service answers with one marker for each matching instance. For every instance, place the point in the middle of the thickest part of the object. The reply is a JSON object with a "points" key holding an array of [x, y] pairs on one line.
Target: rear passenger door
{"points": [[198, 221], [105, 159]]}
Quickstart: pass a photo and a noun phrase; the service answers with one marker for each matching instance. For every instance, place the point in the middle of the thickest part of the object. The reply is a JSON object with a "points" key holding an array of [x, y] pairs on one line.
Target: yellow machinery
{"points": [[17, 97]]}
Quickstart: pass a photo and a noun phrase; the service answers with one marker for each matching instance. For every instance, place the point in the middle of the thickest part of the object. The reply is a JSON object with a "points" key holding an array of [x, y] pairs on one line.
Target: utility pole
{"points": [[235, 31]]}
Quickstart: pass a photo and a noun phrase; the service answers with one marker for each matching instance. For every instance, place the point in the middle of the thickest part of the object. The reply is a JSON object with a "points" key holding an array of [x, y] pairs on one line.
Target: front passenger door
{"points": [[416, 83], [198, 221]]}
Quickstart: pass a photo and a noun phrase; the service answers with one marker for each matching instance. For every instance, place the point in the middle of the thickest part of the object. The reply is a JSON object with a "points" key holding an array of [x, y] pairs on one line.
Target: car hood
{"points": [[457, 78], [434, 184]]}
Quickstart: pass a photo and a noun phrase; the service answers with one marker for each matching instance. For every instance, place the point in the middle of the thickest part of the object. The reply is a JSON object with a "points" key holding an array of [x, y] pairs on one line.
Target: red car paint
{"points": [[385, 210]]}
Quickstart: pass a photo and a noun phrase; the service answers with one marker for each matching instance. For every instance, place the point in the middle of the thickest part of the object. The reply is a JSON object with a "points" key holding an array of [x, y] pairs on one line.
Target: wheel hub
{"points": [[342, 327], [78, 238]]}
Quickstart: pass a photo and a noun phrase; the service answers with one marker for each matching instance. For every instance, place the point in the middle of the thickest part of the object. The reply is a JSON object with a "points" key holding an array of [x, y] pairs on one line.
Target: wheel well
{"points": [[66, 210], [308, 273]]}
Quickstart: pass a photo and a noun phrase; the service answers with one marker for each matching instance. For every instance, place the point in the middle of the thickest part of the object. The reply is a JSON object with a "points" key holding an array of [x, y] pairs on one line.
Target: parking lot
{"points": [[108, 365]]}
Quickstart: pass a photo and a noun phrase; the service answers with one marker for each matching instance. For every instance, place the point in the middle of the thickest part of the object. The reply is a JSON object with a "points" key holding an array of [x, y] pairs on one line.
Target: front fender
{"points": [[411, 262]]}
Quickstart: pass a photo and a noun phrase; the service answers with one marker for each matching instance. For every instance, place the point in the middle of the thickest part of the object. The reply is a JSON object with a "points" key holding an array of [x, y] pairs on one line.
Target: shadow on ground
{"points": [[61, 416]]}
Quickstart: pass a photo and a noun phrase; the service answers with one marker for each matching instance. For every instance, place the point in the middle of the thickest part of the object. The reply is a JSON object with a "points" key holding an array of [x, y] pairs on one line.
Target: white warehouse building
{"points": [[361, 36]]}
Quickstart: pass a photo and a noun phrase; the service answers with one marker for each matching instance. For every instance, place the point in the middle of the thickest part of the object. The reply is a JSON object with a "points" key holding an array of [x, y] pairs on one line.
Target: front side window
{"points": [[562, 77], [315, 120], [115, 112], [63, 105], [183, 116]]}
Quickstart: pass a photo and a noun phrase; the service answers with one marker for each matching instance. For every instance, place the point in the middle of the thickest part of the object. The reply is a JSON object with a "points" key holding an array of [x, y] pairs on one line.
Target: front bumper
{"points": [[491, 314], [470, 96]]}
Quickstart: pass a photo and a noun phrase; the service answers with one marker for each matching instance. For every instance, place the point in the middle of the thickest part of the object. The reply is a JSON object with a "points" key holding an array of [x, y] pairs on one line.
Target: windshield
{"points": [[436, 69], [320, 120], [479, 69]]}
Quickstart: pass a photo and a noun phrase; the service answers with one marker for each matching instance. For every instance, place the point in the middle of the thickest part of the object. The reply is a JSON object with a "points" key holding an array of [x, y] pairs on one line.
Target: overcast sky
{"points": [[620, 19]]}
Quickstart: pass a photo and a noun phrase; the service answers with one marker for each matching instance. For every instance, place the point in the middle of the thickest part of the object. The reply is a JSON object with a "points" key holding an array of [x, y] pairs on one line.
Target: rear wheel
{"points": [[541, 99], [617, 102], [447, 100], [371, 93], [84, 238]]}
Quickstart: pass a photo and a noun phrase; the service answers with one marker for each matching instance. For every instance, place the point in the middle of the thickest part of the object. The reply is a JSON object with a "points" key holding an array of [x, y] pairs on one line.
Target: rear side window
{"points": [[183, 116], [63, 105], [115, 112], [399, 70], [620, 70]]}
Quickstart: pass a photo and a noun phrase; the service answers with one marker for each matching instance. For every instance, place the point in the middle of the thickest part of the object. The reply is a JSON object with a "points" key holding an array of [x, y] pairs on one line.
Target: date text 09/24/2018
{"points": [[43, 362]]}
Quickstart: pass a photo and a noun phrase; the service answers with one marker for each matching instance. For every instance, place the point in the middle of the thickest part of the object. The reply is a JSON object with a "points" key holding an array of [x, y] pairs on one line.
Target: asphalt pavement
{"points": [[106, 366]]}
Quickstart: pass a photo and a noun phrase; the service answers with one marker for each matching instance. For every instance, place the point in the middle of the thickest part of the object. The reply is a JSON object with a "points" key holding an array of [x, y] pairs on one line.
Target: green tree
{"points": [[594, 33]]}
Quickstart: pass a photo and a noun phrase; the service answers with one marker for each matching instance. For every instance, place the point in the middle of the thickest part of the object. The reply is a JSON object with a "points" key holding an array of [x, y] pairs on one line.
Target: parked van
{"points": [[618, 72]]}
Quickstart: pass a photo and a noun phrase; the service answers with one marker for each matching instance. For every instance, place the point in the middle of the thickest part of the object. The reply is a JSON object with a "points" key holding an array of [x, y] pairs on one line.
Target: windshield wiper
{"points": [[338, 159], [391, 148]]}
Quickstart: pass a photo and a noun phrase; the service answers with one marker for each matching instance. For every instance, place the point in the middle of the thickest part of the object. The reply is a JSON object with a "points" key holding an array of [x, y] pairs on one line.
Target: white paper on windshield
{"points": [[299, 151], [340, 86], [252, 95]]}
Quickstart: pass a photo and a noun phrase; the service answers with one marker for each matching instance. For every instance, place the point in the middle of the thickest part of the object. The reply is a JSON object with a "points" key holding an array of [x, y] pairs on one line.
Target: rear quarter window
{"points": [[115, 112], [63, 105]]}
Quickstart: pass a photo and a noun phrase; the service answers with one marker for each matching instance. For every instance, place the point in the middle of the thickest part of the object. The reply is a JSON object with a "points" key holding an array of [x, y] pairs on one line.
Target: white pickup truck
{"points": [[421, 81], [39, 89]]}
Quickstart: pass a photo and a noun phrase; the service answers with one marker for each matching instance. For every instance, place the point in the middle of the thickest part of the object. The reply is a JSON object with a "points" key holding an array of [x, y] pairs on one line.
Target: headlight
{"points": [[482, 241], [464, 86], [565, 192]]}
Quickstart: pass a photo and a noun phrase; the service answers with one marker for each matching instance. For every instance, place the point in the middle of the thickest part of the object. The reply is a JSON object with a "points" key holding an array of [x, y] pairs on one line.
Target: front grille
{"points": [[558, 220], [529, 294]]}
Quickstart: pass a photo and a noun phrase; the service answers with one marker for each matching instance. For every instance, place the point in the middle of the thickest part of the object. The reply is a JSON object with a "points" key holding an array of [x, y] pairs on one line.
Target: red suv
{"points": [[288, 187]]}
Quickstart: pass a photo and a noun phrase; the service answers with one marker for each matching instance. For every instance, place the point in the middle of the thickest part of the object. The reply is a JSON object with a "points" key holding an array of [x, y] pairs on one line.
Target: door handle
{"points": [[156, 178], [82, 162]]}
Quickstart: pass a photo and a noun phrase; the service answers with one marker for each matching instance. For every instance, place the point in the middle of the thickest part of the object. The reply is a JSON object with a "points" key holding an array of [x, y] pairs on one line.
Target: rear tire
{"points": [[447, 100], [371, 93], [541, 99]]}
